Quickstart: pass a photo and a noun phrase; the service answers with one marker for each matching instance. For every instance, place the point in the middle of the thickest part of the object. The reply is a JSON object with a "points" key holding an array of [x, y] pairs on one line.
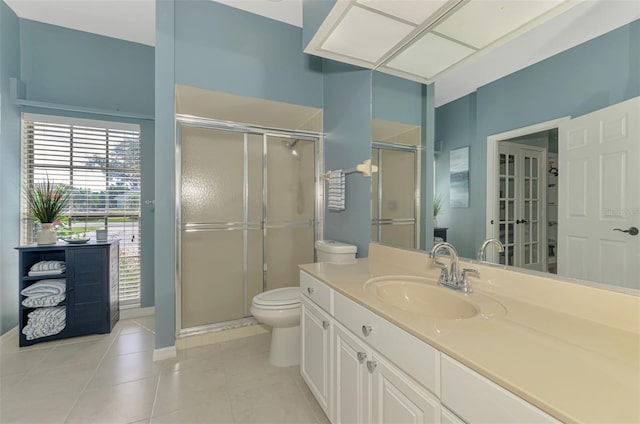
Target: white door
{"points": [[520, 205], [315, 365], [599, 192], [396, 399], [352, 399]]}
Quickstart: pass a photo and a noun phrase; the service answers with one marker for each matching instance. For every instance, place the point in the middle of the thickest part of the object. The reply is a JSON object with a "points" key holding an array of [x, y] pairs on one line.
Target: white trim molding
{"points": [[164, 353], [8, 334], [492, 165], [128, 313]]}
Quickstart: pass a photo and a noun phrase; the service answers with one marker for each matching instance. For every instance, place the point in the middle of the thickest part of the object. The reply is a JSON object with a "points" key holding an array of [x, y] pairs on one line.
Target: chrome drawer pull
{"points": [[371, 365], [310, 290], [325, 324], [366, 330], [362, 356]]}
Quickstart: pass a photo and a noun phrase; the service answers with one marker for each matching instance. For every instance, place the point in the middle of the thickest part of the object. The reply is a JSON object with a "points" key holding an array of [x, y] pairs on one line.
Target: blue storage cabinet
{"points": [[92, 284]]}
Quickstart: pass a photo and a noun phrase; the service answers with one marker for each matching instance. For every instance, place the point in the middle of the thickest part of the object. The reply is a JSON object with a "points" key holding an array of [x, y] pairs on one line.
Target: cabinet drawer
{"points": [[474, 398], [412, 355], [316, 290]]}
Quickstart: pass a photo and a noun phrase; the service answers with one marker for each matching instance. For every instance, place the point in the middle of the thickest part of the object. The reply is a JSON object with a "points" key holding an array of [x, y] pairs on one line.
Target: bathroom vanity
{"points": [[520, 348]]}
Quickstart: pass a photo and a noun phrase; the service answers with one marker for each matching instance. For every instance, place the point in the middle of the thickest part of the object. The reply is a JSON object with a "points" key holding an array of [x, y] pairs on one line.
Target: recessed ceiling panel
{"points": [[365, 35], [429, 55], [416, 11], [481, 22]]}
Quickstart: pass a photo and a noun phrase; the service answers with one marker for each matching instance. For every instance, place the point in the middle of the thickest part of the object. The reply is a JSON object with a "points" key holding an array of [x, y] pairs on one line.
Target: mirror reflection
{"points": [[553, 164], [396, 151]]}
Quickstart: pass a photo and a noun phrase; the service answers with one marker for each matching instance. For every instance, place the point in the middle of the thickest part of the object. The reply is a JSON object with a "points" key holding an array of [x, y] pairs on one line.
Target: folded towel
{"points": [[44, 322], [336, 191], [46, 288], [42, 301], [51, 267]]}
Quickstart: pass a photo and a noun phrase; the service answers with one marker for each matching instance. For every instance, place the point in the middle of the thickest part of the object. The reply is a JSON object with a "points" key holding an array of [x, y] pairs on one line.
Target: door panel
{"points": [[211, 277], [601, 153], [212, 175]]}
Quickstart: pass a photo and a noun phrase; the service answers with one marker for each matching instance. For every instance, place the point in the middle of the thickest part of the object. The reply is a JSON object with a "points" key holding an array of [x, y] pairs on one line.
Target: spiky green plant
{"points": [[437, 205], [47, 200]]}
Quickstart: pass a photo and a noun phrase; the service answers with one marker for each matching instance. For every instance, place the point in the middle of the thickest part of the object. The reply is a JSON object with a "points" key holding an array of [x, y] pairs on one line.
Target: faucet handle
{"points": [[444, 274], [465, 281]]}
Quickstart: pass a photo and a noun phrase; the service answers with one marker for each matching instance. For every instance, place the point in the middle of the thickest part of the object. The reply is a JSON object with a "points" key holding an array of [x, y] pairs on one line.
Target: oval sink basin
{"points": [[421, 296]]}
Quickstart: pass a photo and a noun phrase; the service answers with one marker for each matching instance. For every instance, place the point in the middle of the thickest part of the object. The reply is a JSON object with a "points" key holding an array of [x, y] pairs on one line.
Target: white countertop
{"points": [[573, 351]]}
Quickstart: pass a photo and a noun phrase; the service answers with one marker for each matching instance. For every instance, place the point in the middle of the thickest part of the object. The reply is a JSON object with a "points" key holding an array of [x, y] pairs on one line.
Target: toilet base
{"points": [[285, 347]]}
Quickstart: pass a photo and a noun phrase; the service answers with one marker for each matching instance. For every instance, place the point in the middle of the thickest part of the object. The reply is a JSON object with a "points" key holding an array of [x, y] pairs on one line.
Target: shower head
{"points": [[290, 145]]}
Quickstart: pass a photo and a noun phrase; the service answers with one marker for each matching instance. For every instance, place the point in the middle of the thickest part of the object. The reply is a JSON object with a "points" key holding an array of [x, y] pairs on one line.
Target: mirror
{"points": [[396, 149], [536, 98]]}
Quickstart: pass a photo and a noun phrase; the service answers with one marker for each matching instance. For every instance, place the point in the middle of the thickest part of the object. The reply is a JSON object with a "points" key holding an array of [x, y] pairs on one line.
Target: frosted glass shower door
{"points": [[220, 247], [394, 197], [290, 209]]}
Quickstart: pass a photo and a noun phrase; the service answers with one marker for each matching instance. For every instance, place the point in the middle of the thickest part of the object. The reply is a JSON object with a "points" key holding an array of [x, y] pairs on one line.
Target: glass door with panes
{"points": [[520, 205]]}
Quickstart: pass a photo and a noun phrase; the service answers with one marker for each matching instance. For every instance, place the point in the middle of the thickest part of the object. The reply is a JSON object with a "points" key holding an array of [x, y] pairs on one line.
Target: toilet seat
{"points": [[284, 298]]}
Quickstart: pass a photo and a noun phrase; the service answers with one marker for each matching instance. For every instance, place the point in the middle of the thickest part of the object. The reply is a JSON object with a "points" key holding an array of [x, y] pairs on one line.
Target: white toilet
{"points": [[280, 308]]}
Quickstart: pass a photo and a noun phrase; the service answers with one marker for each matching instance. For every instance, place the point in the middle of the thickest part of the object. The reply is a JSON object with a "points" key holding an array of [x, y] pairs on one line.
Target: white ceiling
{"points": [[133, 20]]}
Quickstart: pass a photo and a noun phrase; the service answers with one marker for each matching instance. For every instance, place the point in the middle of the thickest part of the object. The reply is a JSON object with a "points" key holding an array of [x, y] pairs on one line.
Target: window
{"points": [[100, 164]]}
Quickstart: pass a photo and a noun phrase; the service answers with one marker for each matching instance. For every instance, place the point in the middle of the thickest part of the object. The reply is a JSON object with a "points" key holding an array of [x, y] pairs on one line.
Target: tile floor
{"points": [[112, 379]]}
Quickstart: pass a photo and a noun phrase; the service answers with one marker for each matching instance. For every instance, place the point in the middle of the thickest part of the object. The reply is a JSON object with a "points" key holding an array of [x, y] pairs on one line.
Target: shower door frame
{"points": [[379, 222], [181, 121]]}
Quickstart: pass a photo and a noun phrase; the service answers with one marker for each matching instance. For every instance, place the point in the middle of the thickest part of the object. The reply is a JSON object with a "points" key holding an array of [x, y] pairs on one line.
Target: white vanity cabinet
{"points": [[475, 398], [363, 369], [315, 356], [351, 378]]}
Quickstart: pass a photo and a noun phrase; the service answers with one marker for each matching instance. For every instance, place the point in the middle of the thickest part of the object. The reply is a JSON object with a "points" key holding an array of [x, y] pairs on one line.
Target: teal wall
{"points": [[588, 77], [9, 169], [347, 142], [88, 72], [221, 48], [62, 65], [212, 46], [164, 252], [313, 14], [396, 99]]}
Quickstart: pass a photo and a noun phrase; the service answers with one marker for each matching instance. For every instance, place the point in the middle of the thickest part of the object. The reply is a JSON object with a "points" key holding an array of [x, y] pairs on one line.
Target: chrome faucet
{"points": [[482, 252], [451, 278]]}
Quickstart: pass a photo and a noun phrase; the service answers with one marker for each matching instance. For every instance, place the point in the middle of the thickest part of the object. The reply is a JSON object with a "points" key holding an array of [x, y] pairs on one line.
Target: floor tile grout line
{"points": [[95, 371]]}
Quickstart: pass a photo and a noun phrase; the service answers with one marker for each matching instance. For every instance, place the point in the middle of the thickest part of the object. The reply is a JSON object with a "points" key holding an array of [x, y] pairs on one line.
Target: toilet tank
{"points": [[335, 251]]}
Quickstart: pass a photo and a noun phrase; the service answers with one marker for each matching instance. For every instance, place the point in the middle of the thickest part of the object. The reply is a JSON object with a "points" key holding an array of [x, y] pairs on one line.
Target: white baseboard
{"points": [[8, 334], [136, 312], [164, 353]]}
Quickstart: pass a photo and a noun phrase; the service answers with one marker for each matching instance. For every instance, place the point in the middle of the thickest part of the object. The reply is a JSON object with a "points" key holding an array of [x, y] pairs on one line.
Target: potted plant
{"points": [[437, 206], [46, 202]]}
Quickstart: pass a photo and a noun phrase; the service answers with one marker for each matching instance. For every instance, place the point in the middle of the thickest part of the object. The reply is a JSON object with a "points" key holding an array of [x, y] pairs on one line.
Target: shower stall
{"points": [[247, 213]]}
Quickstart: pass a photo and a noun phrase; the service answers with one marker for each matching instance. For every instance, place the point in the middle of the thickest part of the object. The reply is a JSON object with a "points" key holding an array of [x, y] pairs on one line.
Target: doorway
{"points": [[522, 210]]}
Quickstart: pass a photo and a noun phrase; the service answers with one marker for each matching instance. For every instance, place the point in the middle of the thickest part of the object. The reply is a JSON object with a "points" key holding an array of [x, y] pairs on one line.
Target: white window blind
{"points": [[100, 164]]}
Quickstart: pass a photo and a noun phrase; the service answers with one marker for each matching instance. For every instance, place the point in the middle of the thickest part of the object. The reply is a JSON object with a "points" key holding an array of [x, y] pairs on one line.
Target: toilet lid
{"points": [[278, 297]]}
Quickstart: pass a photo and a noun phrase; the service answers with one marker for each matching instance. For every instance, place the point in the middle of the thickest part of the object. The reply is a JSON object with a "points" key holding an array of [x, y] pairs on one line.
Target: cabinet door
{"points": [[448, 417], [315, 359], [397, 399], [352, 381], [90, 306]]}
